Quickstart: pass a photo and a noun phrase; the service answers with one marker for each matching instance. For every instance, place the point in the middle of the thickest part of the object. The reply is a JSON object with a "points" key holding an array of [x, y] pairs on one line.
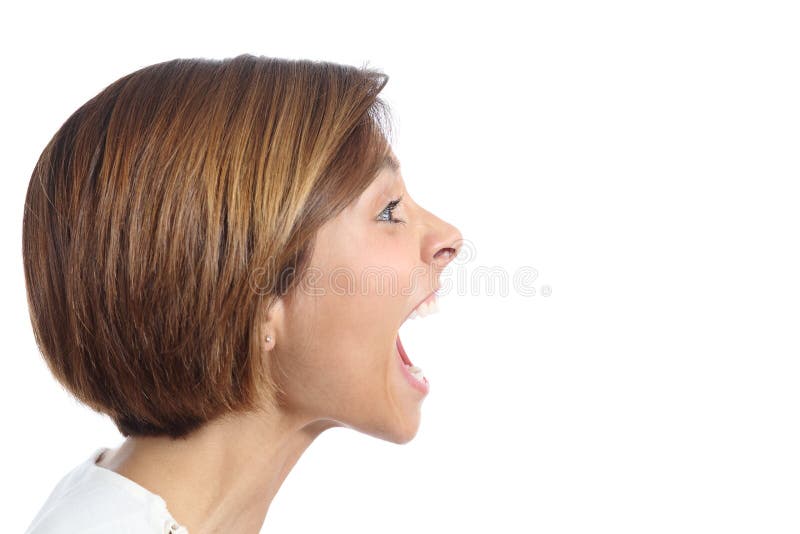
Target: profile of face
{"points": [[336, 335]]}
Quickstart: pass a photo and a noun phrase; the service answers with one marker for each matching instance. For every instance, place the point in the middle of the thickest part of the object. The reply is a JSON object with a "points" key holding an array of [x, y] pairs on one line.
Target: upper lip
{"points": [[420, 302]]}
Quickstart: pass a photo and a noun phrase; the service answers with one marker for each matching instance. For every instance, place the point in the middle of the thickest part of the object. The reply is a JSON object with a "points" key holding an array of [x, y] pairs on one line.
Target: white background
{"points": [[642, 157]]}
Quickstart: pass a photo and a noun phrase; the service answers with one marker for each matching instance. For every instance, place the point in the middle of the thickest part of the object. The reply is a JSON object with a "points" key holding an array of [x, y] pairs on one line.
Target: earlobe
{"points": [[272, 323]]}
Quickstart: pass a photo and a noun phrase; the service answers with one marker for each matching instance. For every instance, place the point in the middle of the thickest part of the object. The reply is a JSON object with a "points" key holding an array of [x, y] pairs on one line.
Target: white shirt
{"points": [[91, 499]]}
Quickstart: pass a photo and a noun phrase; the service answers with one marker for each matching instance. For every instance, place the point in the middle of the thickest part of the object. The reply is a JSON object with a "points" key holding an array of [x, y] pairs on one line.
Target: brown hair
{"points": [[170, 210]]}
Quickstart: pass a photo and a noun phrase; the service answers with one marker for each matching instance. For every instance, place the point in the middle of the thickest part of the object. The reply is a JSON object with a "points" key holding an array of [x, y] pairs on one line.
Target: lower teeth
{"points": [[415, 371]]}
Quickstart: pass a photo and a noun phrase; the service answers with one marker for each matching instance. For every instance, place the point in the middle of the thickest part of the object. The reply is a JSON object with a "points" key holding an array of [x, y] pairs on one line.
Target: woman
{"points": [[201, 242]]}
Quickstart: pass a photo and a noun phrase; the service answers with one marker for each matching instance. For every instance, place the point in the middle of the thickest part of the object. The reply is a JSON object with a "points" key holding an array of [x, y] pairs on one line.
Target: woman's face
{"points": [[336, 342]]}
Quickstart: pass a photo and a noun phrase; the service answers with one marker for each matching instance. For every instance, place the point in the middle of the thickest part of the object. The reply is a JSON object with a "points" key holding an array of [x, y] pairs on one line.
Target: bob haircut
{"points": [[169, 211]]}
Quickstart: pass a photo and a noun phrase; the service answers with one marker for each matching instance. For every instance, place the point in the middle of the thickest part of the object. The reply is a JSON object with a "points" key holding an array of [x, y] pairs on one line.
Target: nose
{"points": [[442, 242]]}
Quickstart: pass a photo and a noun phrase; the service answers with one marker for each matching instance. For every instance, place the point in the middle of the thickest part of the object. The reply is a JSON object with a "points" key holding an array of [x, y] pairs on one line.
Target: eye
{"points": [[386, 214]]}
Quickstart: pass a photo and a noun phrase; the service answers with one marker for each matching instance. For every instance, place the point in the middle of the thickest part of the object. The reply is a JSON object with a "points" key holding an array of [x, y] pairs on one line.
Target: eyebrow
{"points": [[391, 162]]}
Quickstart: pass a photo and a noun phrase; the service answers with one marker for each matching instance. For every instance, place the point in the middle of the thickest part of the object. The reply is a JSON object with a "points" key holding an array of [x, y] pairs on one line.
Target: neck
{"points": [[223, 477]]}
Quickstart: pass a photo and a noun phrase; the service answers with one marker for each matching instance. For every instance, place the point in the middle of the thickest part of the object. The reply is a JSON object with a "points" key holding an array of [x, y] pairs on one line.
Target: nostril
{"points": [[449, 251]]}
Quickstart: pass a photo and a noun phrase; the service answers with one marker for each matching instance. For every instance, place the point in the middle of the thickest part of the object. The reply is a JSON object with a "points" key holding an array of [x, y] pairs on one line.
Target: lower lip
{"points": [[422, 387]]}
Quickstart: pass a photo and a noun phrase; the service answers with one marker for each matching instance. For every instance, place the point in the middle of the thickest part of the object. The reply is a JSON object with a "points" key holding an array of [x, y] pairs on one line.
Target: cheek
{"points": [[346, 321], [340, 360], [394, 260], [346, 331]]}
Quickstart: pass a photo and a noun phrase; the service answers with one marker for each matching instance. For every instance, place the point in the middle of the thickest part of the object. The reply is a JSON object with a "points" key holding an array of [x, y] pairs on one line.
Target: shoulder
{"points": [[91, 499]]}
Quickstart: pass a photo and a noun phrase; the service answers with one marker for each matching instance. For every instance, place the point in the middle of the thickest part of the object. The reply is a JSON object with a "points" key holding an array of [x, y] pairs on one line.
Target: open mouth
{"points": [[414, 373]]}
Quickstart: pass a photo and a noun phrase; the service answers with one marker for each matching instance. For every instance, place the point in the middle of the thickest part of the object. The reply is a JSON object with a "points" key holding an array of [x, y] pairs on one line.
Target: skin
{"points": [[334, 346]]}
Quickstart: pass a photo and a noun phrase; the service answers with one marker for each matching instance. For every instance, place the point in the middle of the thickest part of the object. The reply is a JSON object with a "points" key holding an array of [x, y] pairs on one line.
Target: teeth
{"points": [[415, 371], [425, 309]]}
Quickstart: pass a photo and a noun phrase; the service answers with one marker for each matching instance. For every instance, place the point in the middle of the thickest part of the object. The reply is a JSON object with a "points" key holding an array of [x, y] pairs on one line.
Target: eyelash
{"points": [[388, 210]]}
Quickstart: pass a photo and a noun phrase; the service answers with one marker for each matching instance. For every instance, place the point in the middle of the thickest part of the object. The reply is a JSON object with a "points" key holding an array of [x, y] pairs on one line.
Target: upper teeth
{"points": [[426, 308]]}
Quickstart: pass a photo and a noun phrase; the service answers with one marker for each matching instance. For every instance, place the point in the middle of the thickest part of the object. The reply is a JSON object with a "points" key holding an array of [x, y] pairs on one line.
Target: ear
{"points": [[271, 328]]}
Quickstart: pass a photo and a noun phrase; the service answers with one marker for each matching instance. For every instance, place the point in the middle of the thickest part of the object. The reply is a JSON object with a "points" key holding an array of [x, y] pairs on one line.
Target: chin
{"points": [[402, 430], [402, 439]]}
